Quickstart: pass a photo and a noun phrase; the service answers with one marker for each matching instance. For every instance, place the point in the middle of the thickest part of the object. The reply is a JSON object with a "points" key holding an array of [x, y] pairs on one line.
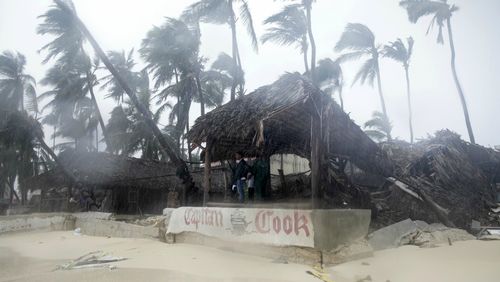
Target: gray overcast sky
{"points": [[122, 24]]}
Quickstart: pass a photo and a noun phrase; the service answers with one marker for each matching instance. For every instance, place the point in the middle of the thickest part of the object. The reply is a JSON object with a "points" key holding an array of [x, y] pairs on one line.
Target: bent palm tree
{"points": [[15, 84], [441, 12], [380, 127], [400, 53], [222, 12], [329, 77], [287, 28], [61, 21], [359, 41], [166, 148]]}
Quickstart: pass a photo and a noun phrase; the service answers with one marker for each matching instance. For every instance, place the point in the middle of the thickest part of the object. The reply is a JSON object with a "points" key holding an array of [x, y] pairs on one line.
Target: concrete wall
{"points": [[90, 223], [333, 228], [50, 221], [99, 227]]}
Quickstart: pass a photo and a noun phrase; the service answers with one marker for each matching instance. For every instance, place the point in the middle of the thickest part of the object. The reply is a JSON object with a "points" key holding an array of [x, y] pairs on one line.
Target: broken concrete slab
{"points": [[390, 236]]}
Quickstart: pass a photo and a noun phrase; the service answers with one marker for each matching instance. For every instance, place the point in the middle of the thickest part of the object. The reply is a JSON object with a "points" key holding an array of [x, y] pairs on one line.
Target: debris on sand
{"points": [[417, 233], [440, 179], [97, 259]]}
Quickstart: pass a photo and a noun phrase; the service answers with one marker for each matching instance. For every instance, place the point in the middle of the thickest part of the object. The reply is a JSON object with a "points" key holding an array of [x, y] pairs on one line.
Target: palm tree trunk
{"points": [[306, 63], [457, 83], [313, 43], [382, 101], [234, 46], [341, 98], [409, 103], [200, 93], [98, 112]]}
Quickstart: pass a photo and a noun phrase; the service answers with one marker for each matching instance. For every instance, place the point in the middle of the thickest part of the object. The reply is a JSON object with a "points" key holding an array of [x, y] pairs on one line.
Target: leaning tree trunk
{"points": [[98, 112], [382, 101], [457, 83], [313, 43], [409, 103], [200, 93], [166, 149]]}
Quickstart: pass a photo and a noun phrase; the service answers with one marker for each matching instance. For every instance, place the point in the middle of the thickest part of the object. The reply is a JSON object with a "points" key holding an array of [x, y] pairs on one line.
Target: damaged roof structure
{"points": [[276, 119], [442, 179]]}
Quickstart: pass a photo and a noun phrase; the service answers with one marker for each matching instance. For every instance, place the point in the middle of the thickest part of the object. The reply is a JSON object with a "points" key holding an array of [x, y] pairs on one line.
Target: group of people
{"points": [[252, 177], [84, 195]]}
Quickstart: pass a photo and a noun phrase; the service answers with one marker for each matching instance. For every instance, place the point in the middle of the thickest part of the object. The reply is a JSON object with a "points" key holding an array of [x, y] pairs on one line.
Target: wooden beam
{"points": [[206, 171], [315, 158]]}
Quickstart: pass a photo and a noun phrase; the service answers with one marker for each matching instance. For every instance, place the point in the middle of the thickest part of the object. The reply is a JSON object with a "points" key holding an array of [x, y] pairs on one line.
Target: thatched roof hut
{"points": [[134, 185], [109, 170], [276, 118]]}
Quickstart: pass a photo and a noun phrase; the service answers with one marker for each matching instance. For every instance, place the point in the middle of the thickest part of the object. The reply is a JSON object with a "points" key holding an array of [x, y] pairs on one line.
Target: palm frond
{"points": [[356, 37], [367, 72], [247, 20]]}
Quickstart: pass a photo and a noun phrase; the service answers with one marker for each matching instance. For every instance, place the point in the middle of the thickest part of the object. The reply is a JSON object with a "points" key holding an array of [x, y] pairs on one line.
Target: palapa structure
{"points": [[137, 185], [290, 116]]}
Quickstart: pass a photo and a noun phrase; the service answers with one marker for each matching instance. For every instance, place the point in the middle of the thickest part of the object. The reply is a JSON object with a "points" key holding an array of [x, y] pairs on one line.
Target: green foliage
{"points": [[288, 28], [15, 85], [379, 127], [357, 41], [439, 10]]}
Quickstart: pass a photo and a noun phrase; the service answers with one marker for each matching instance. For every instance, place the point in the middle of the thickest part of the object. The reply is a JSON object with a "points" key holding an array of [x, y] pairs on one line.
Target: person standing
{"points": [[240, 172]]}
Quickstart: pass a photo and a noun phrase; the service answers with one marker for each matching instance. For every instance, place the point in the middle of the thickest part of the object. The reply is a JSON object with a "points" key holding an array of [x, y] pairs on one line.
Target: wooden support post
{"points": [[206, 171], [282, 181], [315, 158]]}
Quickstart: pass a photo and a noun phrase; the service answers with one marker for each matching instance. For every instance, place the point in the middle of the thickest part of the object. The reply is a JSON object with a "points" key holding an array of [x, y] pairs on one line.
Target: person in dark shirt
{"points": [[240, 172]]}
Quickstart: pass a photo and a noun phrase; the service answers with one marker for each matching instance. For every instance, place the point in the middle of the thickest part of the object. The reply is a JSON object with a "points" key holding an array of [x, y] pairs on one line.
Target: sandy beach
{"points": [[465, 261], [34, 256]]}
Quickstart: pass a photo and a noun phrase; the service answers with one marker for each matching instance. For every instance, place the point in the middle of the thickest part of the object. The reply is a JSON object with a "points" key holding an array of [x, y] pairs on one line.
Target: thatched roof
{"points": [[109, 170], [276, 118]]}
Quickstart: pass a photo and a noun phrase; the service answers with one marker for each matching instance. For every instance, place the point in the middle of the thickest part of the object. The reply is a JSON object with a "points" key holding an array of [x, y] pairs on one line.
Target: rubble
{"points": [[418, 233], [444, 179]]}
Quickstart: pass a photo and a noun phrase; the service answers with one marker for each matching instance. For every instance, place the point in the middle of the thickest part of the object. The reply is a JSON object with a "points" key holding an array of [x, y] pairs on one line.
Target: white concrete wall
{"points": [[291, 164], [55, 221]]}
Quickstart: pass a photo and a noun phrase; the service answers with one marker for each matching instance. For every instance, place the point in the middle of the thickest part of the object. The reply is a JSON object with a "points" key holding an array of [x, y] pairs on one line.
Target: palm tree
{"points": [[15, 84], [380, 127], [124, 64], [72, 110], [128, 132], [171, 53], [329, 77], [225, 67], [359, 41], [222, 12], [287, 28], [441, 12], [401, 53], [165, 145], [67, 48], [23, 131], [308, 6]]}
